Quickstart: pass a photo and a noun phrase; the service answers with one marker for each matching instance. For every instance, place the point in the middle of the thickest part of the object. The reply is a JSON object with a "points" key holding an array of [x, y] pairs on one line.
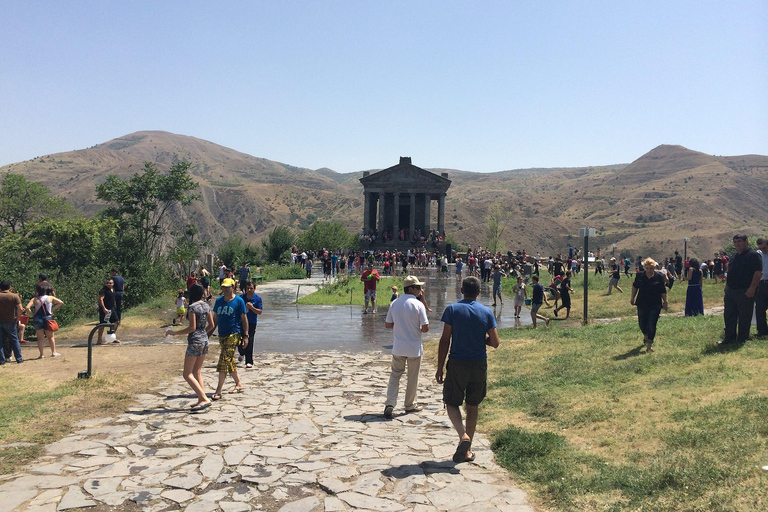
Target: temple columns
{"points": [[382, 218], [427, 201], [367, 212], [396, 223], [441, 213], [413, 214]]}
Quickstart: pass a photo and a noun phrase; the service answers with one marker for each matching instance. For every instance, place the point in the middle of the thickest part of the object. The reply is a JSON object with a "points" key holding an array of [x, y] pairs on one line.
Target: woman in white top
{"points": [[44, 306]]}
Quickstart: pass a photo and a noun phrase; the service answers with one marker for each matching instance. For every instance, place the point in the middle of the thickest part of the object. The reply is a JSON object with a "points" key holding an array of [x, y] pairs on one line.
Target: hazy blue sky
{"points": [[479, 86]]}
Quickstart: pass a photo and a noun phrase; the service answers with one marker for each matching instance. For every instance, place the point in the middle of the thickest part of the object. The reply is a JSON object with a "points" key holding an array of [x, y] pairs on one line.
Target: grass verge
{"points": [[350, 291], [41, 399], [591, 422]]}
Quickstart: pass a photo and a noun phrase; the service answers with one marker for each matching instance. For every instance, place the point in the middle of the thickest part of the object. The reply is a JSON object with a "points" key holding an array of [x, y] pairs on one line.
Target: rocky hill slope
{"points": [[647, 206]]}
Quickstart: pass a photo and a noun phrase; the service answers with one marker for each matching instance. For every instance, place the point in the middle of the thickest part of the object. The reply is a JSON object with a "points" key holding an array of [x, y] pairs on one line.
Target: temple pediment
{"points": [[405, 175]]}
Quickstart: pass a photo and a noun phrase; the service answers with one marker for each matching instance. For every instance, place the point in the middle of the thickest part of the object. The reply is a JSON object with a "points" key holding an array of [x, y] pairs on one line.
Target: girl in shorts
{"points": [[181, 310], [198, 317]]}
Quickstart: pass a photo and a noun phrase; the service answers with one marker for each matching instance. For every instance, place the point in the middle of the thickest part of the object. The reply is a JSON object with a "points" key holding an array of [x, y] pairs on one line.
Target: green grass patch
{"points": [[593, 423], [350, 291]]}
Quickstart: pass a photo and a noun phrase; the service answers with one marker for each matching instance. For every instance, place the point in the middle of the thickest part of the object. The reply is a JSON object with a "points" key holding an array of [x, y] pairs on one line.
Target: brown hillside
{"points": [[647, 206]]}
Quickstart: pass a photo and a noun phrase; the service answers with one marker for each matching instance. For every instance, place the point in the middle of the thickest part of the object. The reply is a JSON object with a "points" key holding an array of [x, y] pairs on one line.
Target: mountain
{"points": [[647, 206]]}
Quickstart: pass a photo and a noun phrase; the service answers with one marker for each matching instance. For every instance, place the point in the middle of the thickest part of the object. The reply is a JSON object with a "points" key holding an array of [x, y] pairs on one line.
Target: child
{"points": [[539, 297], [395, 295], [496, 277], [521, 293], [181, 307]]}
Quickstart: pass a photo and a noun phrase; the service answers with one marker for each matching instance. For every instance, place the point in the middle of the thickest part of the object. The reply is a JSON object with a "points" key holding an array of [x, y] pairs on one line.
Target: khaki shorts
{"points": [[370, 294], [465, 380]]}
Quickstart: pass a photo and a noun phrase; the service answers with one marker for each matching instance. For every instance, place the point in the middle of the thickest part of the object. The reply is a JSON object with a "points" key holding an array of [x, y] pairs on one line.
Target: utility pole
{"points": [[586, 233]]}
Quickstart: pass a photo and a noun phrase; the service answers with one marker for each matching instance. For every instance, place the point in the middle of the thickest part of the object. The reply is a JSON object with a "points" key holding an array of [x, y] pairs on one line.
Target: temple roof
{"points": [[406, 175]]}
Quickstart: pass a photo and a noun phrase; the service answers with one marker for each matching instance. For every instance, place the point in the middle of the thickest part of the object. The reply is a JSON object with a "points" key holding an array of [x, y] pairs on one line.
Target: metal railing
{"points": [[87, 373]]}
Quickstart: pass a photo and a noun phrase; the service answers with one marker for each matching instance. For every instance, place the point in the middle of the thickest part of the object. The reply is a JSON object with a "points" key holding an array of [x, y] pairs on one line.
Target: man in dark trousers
{"points": [[761, 297], [744, 272], [468, 327], [119, 288], [10, 311]]}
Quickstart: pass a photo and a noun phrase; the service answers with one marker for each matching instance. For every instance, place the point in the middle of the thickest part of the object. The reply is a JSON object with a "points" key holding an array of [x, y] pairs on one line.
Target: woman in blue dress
{"points": [[694, 301]]}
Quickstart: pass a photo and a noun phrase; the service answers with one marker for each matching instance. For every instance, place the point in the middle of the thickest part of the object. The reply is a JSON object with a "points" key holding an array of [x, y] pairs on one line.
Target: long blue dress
{"points": [[694, 301]]}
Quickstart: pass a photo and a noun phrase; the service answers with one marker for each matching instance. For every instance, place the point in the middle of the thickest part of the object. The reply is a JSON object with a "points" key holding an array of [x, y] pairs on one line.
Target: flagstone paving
{"points": [[307, 435]]}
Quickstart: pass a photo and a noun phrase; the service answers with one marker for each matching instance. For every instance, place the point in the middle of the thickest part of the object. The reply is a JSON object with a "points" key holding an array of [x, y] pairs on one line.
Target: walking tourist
{"points": [[254, 307], [521, 293], [181, 306], [538, 298], [10, 311], [565, 295], [198, 317], [44, 305], [694, 299], [761, 296], [119, 295], [229, 315], [106, 305], [407, 317], [370, 278], [496, 277], [468, 327], [245, 276], [649, 294], [745, 270], [615, 276]]}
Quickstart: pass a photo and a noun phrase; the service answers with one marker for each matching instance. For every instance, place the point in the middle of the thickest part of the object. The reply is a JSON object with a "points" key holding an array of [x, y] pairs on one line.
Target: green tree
{"points": [[234, 252], [21, 201], [275, 245], [495, 223], [142, 202], [328, 234], [184, 251]]}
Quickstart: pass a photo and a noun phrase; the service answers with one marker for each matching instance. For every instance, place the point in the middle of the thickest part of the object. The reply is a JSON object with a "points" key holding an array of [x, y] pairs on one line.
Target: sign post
{"points": [[586, 233]]}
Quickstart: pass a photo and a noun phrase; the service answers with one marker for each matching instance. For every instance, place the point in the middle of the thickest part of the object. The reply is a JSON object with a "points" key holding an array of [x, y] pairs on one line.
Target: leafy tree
{"points": [[328, 234], [234, 252], [280, 240], [142, 202], [21, 201], [496, 223], [69, 244], [184, 251]]}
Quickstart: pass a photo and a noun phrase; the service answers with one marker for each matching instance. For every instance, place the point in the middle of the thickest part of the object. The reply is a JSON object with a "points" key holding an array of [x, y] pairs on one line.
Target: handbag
{"points": [[50, 324]]}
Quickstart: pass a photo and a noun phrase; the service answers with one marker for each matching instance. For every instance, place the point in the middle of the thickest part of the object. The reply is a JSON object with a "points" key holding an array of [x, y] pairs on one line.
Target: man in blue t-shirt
{"points": [[229, 315], [254, 308], [468, 327]]}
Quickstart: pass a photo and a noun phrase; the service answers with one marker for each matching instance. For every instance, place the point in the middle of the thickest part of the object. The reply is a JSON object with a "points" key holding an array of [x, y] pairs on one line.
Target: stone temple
{"points": [[401, 196]]}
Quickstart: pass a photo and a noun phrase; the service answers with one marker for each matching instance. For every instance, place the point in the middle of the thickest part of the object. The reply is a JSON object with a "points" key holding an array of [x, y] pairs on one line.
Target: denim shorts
{"points": [[39, 323]]}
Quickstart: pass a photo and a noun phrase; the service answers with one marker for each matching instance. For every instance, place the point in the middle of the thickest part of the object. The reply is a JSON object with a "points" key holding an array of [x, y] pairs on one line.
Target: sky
{"points": [[354, 85]]}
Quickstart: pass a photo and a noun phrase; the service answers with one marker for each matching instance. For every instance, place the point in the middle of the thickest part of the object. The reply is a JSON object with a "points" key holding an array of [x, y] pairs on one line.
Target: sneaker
{"points": [[56, 355], [374, 311], [249, 365], [416, 408], [388, 412]]}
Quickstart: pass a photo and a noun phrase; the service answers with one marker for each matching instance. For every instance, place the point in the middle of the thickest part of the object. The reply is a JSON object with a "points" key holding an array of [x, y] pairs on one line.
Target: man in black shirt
{"points": [[744, 272], [106, 305]]}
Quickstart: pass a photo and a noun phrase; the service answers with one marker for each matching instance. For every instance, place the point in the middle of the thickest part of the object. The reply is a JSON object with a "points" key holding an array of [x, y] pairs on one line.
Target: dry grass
{"points": [[41, 399]]}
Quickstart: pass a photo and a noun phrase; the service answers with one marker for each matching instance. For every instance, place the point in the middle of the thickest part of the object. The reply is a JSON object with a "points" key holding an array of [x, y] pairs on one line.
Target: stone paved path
{"points": [[307, 435]]}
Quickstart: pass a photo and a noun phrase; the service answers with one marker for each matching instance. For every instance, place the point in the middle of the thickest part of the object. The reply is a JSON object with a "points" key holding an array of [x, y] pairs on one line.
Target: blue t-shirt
{"points": [[459, 266], [538, 294], [229, 315], [119, 284], [253, 318], [470, 321], [244, 273]]}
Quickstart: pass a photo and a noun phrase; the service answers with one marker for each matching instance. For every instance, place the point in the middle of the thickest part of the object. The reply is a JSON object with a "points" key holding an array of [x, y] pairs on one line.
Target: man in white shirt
{"points": [[407, 317]]}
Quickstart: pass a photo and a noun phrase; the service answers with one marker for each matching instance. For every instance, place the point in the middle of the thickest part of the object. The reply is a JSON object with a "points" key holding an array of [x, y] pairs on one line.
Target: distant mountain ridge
{"points": [[647, 206]]}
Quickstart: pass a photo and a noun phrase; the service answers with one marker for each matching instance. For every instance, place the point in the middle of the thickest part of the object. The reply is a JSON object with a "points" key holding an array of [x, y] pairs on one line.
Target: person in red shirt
{"points": [[370, 278]]}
